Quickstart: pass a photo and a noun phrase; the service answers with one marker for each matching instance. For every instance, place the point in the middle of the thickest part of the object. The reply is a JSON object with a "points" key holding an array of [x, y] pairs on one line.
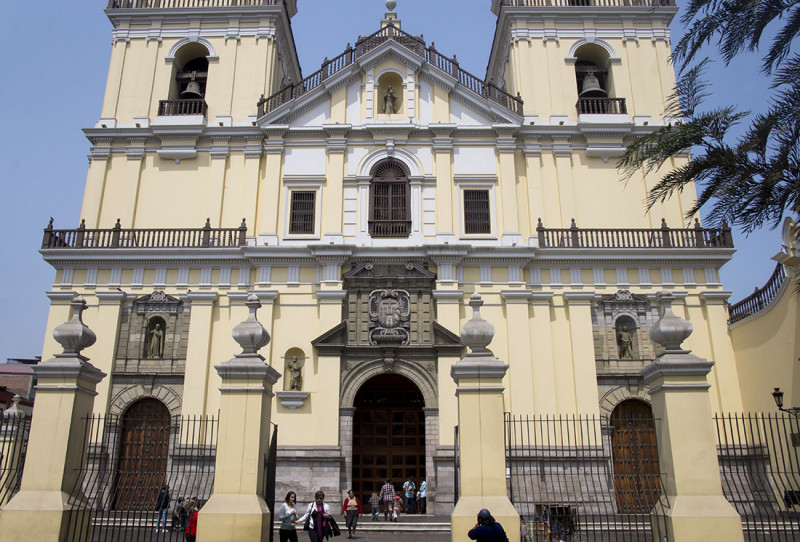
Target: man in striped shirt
{"points": [[387, 498]]}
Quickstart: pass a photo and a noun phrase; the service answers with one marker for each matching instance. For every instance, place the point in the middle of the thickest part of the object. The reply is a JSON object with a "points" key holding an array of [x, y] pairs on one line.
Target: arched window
{"points": [[390, 209]]}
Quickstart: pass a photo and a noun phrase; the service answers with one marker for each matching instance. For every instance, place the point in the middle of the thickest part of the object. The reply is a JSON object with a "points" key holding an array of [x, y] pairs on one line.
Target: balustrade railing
{"points": [[119, 237], [759, 299], [412, 43], [663, 237], [389, 228], [587, 3], [601, 106], [182, 107], [167, 4]]}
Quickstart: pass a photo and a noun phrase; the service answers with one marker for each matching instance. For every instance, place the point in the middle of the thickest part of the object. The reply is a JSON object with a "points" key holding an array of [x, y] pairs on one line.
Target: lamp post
{"points": [[777, 394]]}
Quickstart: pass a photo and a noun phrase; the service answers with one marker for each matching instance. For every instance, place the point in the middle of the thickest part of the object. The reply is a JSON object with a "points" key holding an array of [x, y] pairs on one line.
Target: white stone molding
{"points": [[212, 53], [592, 39], [292, 399]]}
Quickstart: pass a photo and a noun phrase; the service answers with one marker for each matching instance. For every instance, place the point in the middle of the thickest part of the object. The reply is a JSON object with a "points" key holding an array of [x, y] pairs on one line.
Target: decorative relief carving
{"points": [[158, 302], [389, 313]]}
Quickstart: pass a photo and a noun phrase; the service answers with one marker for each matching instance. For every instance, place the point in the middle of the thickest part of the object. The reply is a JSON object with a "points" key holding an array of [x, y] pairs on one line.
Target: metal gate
{"points": [[760, 467], [116, 497], [565, 473]]}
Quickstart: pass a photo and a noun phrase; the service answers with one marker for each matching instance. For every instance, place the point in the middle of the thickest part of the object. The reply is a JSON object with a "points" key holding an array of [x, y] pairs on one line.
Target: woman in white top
{"points": [[287, 514], [318, 515]]}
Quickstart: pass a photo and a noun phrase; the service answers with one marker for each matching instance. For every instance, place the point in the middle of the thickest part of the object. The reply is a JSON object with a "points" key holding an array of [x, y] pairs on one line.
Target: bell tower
{"points": [[568, 58], [171, 58]]}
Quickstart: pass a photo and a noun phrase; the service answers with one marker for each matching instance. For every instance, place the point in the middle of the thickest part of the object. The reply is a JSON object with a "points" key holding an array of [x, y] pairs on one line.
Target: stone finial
{"points": [[250, 334], [477, 333], [14, 411], [391, 4], [670, 331], [74, 335]]}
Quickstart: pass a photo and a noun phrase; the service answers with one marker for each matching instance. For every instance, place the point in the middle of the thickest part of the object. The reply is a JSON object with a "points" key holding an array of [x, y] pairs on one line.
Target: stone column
{"points": [[687, 450], [237, 510], [44, 508], [479, 381]]}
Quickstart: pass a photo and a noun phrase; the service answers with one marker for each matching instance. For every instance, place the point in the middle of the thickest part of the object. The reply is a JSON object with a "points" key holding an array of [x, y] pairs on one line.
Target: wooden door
{"points": [[388, 434], [143, 450], [635, 457]]}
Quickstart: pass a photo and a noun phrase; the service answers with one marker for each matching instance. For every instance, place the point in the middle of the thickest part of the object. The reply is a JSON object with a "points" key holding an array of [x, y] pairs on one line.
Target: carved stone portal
{"points": [[389, 314]]}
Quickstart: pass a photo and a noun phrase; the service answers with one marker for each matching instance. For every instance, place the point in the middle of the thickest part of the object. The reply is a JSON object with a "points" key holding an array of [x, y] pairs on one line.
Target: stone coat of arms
{"points": [[389, 313]]}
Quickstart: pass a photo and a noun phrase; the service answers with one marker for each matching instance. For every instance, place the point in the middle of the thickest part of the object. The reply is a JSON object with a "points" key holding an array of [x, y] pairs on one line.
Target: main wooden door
{"points": [[143, 449], [388, 434], [635, 457]]}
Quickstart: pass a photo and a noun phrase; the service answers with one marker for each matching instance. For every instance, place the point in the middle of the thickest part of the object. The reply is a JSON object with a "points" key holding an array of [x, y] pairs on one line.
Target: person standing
{"points": [[287, 515], [387, 498], [318, 515], [162, 507], [352, 511], [423, 496], [410, 490], [191, 526], [375, 504]]}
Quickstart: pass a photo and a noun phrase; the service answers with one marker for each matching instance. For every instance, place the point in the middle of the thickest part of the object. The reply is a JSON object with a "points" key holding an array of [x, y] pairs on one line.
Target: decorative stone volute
{"points": [[74, 335], [671, 330], [477, 333], [250, 334]]}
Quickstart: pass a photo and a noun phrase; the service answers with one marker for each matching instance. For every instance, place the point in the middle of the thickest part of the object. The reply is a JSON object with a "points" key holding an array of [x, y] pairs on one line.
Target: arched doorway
{"points": [[143, 450], [635, 457], [388, 434]]}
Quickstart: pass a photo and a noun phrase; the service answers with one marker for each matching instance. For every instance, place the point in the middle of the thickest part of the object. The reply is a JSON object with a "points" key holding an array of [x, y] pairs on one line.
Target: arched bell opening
{"points": [[594, 81]]}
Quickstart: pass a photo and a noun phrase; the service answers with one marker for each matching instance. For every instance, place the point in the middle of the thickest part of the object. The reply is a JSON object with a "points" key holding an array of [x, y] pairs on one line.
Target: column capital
{"points": [[60, 297], [517, 297], [579, 298], [239, 298], [113, 297], [715, 297], [541, 298], [200, 298]]}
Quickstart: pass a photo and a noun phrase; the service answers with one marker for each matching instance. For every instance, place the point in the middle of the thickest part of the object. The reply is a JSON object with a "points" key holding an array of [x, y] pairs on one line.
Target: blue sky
{"points": [[55, 61]]}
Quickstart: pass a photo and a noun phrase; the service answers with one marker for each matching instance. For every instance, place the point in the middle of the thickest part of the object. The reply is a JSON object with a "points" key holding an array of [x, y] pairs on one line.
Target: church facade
{"points": [[364, 204]]}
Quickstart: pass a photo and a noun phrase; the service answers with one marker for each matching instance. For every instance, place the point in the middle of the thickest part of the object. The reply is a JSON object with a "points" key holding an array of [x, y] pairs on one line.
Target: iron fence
{"points": [[125, 463], [760, 468], [14, 431], [585, 478], [270, 468]]}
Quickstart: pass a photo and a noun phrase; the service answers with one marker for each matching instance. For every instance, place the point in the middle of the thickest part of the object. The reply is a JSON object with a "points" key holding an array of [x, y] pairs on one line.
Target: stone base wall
{"points": [[306, 469]]}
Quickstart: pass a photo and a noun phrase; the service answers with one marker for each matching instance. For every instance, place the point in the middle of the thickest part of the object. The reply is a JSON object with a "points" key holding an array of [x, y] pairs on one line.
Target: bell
{"points": [[591, 84], [192, 91]]}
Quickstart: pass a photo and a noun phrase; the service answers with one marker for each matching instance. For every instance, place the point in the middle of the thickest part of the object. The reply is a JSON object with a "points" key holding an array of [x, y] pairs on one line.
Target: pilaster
{"points": [[579, 305], [106, 322], [195, 382], [724, 375], [520, 348], [443, 155], [542, 357]]}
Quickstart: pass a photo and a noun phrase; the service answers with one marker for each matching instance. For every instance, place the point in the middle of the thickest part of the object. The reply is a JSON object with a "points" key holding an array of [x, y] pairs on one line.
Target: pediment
{"points": [[482, 108], [371, 270], [157, 302], [333, 341]]}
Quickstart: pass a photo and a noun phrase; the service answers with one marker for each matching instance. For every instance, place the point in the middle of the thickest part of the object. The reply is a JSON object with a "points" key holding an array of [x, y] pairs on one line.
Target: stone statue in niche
{"points": [[155, 341], [625, 340], [294, 368], [389, 101]]}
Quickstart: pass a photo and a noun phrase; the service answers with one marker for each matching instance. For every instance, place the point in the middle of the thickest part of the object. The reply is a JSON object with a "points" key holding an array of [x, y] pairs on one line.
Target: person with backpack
{"points": [[487, 529]]}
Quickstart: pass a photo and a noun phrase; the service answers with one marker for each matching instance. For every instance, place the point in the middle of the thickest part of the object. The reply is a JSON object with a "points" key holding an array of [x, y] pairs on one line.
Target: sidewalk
{"points": [[378, 536]]}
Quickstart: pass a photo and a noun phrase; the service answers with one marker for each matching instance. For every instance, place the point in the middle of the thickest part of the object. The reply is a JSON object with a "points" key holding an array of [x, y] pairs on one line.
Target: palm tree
{"points": [[751, 180]]}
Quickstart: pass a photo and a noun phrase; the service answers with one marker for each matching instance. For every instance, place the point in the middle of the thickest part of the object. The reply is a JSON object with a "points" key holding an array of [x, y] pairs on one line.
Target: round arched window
{"points": [[390, 214]]}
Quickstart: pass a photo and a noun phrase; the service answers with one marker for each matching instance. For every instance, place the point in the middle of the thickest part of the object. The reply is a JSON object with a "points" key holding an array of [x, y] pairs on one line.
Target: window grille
{"points": [[476, 212], [390, 215], [303, 211]]}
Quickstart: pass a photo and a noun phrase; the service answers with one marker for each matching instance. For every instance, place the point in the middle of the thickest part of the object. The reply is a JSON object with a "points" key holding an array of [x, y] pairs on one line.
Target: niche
{"points": [[627, 343], [389, 100]]}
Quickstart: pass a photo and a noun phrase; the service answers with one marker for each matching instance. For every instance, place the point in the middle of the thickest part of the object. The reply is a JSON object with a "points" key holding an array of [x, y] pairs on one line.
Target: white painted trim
{"points": [[369, 161], [612, 55], [212, 53]]}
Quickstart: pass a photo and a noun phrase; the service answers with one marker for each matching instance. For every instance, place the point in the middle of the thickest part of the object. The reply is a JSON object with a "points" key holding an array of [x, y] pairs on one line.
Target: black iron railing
{"points": [[414, 44], [585, 478], [588, 3], [663, 237], [14, 431], [182, 107], [119, 237], [759, 463], [389, 228], [171, 4], [760, 299], [124, 465], [601, 106]]}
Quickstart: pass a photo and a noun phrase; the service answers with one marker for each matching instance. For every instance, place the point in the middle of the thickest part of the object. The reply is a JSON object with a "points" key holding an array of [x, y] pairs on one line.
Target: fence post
{"points": [[237, 510], [65, 396], [482, 461], [693, 502]]}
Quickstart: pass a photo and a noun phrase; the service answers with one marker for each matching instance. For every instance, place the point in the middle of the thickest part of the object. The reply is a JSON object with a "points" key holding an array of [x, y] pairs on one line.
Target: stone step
{"points": [[394, 526]]}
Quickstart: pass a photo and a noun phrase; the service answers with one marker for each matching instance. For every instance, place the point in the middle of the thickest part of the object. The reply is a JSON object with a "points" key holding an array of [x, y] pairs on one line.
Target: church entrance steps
{"points": [[419, 525]]}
